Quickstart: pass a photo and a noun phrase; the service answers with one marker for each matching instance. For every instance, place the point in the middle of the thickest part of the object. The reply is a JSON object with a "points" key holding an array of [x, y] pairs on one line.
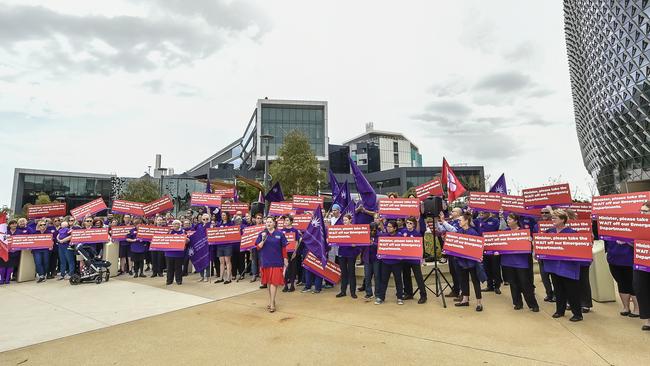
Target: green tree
{"points": [[42, 198], [297, 168], [141, 190], [247, 193]]}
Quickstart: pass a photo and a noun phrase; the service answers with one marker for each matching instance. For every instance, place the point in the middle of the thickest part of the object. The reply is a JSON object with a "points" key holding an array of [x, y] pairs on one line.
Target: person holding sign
{"points": [[565, 274], [157, 257], [224, 252], [41, 256], [7, 267], [518, 270], [468, 268], [124, 249], [137, 249], [641, 280], [66, 256], [347, 257], [409, 265], [270, 244], [620, 257], [175, 258], [388, 267], [487, 222], [294, 256]]}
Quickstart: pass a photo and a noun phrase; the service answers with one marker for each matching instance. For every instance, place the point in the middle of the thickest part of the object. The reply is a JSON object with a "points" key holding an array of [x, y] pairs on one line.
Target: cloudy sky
{"points": [[96, 86]]}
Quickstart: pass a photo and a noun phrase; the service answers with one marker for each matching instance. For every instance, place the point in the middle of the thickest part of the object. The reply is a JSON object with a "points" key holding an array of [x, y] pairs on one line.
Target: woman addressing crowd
{"points": [[270, 244]]}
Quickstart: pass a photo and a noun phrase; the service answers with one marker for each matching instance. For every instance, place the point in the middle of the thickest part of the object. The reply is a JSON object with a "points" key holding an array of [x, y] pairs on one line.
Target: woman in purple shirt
{"points": [[270, 244], [137, 249], [565, 274], [412, 265], [468, 268], [41, 256], [347, 257], [641, 280], [518, 271], [175, 258], [293, 255], [7, 267], [371, 266], [390, 266], [224, 252]]}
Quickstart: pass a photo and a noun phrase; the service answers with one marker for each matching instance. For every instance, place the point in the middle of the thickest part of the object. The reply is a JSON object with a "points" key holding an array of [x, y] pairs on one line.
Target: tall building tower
{"points": [[609, 63]]}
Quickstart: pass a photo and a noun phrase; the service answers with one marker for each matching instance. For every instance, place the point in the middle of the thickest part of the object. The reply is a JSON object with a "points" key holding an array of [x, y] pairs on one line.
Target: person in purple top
{"points": [[371, 266], [546, 277], [7, 267], [157, 257], [412, 265], [175, 258], [641, 281], [293, 255], [565, 274], [487, 222], [41, 256], [66, 256], [390, 266], [204, 225], [517, 269], [273, 261], [224, 252], [124, 249], [468, 268], [347, 256], [620, 257], [187, 226], [137, 249], [53, 227]]}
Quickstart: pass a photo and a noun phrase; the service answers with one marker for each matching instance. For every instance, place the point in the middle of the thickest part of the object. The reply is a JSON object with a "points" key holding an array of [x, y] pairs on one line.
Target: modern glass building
{"points": [[608, 47]]}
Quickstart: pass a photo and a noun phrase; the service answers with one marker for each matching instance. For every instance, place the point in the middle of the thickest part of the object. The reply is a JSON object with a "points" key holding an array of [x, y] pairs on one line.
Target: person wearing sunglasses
{"points": [[41, 256]]}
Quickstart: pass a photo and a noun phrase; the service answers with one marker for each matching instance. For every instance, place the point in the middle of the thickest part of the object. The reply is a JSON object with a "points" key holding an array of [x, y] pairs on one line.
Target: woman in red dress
{"points": [[270, 244]]}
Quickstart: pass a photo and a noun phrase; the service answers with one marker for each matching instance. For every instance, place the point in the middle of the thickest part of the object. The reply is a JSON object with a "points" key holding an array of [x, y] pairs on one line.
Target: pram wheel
{"points": [[75, 279], [107, 275], [98, 279]]}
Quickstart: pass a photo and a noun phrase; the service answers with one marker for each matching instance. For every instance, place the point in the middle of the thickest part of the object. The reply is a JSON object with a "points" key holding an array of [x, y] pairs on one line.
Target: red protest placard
{"points": [[301, 222], [482, 201], [582, 209], [507, 242], [642, 255], [35, 241], [399, 247], [345, 235], [430, 188], [399, 207], [88, 209], [464, 246], [46, 210], [281, 208], [291, 242], [168, 243], [249, 236], [225, 193], [232, 208], [619, 204], [160, 205], [331, 272], [556, 195], [576, 247], [224, 235], [304, 203], [621, 227], [205, 199], [581, 226], [515, 204], [128, 207], [90, 236], [4, 250], [120, 232], [146, 232]]}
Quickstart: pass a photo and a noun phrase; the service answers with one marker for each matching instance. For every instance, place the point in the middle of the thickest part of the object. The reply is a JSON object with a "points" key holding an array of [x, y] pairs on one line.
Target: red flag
{"points": [[454, 188], [4, 249]]}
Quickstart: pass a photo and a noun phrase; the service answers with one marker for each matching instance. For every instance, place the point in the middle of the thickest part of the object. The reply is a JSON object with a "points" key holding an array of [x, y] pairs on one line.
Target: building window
{"points": [[395, 146], [396, 159]]}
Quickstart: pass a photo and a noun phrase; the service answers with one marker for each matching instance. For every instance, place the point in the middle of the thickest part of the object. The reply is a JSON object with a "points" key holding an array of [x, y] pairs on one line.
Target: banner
{"points": [[88, 209], [619, 204], [146, 232], [201, 199], [622, 227], [482, 201], [515, 204], [119, 233], [198, 250], [160, 205], [122, 207], [307, 203], [35, 241], [232, 208], [430, 188], [168, 243], [574, 247], [399, 207], [582, 209], [300, 222], [46, 210], [581, 226], [331, 272], [507, 242], [291, 242], [224, 235], [399, 247], [556, 195], [225, 192], [249, 236], [90, 236], [642, 255], [345, 235], [464, 246], [281, 208]]}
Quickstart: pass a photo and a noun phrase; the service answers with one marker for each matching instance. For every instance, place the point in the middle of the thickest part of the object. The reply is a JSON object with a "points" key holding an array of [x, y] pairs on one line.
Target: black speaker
{"points": [[432, 206], [257, 207]]}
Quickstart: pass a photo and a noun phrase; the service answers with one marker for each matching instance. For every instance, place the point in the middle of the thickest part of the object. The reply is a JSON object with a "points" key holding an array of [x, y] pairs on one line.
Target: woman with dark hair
{"points": [[388, 267], [41, 256], [371, 266], [224, 252], [157, 257], [293, 255], [175, 258], [468, 268], [7, 267], [98, 223], [413, 265], [270, 244], [137, 249], [641, 280], [124, 249], [518, 271], [347, 257]]}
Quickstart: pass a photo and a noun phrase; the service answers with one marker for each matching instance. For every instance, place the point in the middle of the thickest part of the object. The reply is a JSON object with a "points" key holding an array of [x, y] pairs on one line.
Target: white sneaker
{"points": [[400, 302], [378, 301]]}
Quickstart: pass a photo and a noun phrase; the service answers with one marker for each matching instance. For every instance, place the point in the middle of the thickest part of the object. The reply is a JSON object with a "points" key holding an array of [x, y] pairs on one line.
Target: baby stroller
{"points": [[94, 268]]}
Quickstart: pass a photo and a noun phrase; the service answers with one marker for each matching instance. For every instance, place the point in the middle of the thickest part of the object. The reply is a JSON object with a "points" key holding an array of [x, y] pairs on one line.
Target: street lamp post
{"points": [[266, 139]]}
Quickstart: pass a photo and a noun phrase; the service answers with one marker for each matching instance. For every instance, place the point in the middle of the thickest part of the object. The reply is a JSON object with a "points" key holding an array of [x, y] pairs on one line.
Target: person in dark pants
{"points": [[546, 277], [487, 222], [124, 250], [388, 267], [517, 269], [55, 262], [620, 257], [293, 255], [157, 257], [41, 256], [347, 258], [641, 282], [468, 268], [175, 258], [187, 226], [442, 226], [371, 266], [412, 265], [137, 249]]}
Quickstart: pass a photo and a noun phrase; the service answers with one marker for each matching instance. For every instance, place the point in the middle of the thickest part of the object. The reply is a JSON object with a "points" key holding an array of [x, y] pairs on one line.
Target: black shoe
{"points": [[169, 283], [422, 300], [625, 313], [645, 327], [576, 318], [519, 307], [263, 286], [487, 289], [219, 280], [119, 273], [361, 289], [226, 282], [153, 275], [407, 297], [534, 310], [586, 310], [462, 304], [130, 273], [147, 269], [340, 294], [292, 288], [557, 315], [497, 291], [285, 289], [179, 283], [479, 307], [40, 279], [49, 277], [354, 296], [632, 315], [549, 299], [452, 294], [142, 274]]}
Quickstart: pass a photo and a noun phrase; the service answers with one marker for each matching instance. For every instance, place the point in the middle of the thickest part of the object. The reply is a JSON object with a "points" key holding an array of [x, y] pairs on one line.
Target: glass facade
{"points": [[278, 120], [609, 63], [75, 190], [180, 190]]}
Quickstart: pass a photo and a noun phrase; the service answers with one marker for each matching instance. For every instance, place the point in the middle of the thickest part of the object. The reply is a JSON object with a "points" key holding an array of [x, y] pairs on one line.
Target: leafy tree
{"points": [[247, 193], [42, 198], [297, 168], [141, 190]]}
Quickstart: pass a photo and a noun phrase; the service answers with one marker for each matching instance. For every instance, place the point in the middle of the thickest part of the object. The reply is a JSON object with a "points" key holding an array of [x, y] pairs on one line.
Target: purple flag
{"points": [[275, 194], [314, 237], [333, 183], [348, 210], [500, 185], [367, 193], [199, 253], [342, 198]]}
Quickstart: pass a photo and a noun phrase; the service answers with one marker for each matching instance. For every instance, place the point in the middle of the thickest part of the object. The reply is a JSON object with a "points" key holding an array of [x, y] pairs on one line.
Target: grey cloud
{"points": [[522, 51], [154, 86], [159, 86], [449, 107], [505, 82]]}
